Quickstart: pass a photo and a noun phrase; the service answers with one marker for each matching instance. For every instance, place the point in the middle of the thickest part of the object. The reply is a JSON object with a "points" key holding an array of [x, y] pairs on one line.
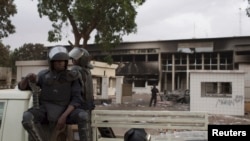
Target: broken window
{"points": [[216, 89], [140, 83]]}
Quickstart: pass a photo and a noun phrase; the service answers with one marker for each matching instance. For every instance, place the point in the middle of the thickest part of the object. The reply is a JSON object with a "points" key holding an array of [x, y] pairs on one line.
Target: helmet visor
{"points": [[58, 53], [75, 53]]}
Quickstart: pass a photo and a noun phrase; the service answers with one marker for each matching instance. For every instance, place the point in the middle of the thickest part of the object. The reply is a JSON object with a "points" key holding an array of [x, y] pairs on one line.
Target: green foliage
{"points": [[108, 59], [111, 19], [30, 52], [248, 11], [4, 55], [27, 52], [7, 9]]}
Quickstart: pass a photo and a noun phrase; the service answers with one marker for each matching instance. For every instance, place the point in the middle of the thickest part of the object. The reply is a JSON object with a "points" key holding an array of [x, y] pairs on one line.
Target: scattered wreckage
{"points": [[177, 96]]}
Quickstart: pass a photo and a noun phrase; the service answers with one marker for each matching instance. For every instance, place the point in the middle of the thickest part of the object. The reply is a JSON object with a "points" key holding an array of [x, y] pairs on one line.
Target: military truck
{"points": [[13, 103]]}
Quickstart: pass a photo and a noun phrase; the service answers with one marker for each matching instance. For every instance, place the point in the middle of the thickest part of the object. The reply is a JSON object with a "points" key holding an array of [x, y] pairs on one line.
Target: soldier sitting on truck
{"points": [[60, 97], [81, 61]]}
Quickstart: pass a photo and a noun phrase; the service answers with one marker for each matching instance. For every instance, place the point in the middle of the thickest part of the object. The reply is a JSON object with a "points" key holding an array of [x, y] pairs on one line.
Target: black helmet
{"points": [[81, 55], [58, 53], [137, 134]]}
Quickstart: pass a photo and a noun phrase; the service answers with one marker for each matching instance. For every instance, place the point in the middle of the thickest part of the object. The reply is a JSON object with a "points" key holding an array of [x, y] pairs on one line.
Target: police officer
{"points": [[60, 97], [153, 99], [81, 61]]}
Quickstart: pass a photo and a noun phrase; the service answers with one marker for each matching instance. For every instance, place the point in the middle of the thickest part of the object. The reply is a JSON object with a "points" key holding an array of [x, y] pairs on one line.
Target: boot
{"points": [[30, 128], [84, 131]]}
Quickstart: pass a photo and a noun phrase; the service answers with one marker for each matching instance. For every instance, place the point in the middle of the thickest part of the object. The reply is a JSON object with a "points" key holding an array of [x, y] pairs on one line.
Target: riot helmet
{"points": [[80, 55], [58, 53], [137, 134]]}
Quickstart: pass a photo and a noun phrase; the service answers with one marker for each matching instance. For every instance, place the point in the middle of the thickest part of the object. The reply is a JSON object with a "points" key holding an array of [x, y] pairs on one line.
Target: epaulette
{"points": [[73, 75]]}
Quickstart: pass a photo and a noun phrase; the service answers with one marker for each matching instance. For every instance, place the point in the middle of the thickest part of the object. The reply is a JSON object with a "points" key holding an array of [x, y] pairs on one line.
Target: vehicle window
{"points": [[1, 112]]}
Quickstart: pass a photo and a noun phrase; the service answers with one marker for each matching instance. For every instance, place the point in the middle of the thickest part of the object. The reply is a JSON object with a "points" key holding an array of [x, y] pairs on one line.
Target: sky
{"points": [[156, 20]]}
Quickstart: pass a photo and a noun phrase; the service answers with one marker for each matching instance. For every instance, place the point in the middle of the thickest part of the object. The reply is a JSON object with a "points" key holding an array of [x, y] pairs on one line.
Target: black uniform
{"points": [[153, 99], [59, 90], [82, 65]]}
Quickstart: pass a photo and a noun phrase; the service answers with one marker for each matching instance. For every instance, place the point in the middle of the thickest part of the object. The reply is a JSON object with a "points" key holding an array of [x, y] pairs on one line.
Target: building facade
{"points": [[101, 74], [218, 91], [168, 63]]}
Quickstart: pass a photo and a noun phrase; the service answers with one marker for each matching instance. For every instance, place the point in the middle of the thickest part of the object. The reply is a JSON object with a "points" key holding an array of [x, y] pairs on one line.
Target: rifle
{"points": [[36, 92]]}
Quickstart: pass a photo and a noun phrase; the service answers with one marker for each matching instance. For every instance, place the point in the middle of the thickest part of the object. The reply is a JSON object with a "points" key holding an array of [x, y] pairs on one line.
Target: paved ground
{"points": [[141, 102]]}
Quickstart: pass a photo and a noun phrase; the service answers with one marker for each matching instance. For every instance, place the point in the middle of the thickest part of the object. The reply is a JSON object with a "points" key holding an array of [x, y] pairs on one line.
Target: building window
{"points": [[152, 50], [140, 83], [216, 89]]}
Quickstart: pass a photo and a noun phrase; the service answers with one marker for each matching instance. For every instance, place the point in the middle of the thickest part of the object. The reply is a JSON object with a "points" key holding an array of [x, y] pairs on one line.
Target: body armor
{"points": [[83, 67], [87, 83], [56, 89], [54, 98]]}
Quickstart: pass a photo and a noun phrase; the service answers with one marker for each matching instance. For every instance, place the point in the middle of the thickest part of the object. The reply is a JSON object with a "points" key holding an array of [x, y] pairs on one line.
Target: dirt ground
{"points": [[141, 102]]}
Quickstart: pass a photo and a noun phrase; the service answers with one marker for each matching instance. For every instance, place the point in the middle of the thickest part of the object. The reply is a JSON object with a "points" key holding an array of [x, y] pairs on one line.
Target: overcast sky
{"points": [[156, 20]]}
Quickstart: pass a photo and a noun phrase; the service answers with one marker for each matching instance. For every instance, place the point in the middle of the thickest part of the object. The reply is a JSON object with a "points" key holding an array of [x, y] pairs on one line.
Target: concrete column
{"points": [[218, 87], [105, 86], [218, 61], [178, 81], [165, 81], [94, 79], [202, 61], [111, 83], [187, 86], [165, 76], [118, 89], [160, 71], [8, 78], [173, 72], [218, 68]]}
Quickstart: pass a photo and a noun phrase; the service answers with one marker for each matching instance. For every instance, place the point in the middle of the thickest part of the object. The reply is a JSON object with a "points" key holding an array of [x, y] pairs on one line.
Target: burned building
{"points": [[168, 63]]}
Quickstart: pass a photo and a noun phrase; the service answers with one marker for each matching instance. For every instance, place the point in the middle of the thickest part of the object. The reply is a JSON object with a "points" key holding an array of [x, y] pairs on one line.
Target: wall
{"points": [[142, 90], [217, 105], [5, 77], [25, 67], [246, 68], [100, 70]]}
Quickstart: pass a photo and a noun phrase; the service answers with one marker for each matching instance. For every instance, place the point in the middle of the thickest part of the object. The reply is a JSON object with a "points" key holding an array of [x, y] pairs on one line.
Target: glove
{"points": [[31, 77]]}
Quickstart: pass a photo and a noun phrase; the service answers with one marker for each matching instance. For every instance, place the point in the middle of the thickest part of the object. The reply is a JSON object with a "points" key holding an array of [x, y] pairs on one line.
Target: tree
{"points": [[30, 52], [110, 19], [27, 52], [4, 55], [248, 9], [7, 9]]}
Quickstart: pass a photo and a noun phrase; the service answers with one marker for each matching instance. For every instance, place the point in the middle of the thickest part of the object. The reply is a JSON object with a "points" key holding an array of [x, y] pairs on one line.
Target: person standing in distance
{"points": [[60, 97], [154, 92]]}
